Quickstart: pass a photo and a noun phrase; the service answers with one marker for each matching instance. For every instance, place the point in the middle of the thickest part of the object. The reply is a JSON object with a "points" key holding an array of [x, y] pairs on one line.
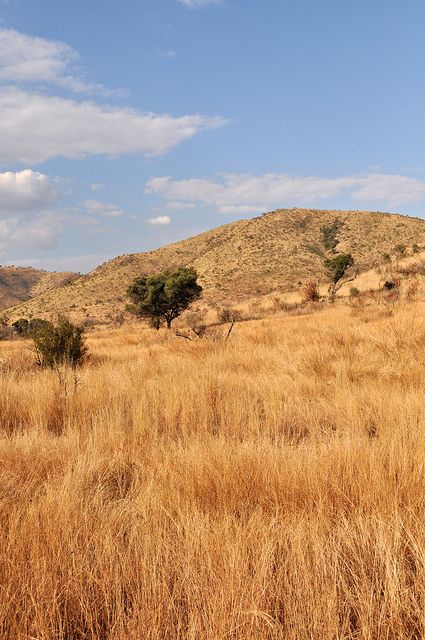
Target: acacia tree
{"points": [[162, 297], [337, 268]]}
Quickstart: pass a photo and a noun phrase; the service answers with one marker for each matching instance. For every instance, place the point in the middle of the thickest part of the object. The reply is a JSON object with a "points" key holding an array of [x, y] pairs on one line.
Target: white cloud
{"points": [[95, 207], [178, 206], [95, 186], [239, 209], [241, 193], [29, 59], [27, 221], [26, 191], [34, 128], [19, 232], [199, 4], [159, 220], [393, 189]]}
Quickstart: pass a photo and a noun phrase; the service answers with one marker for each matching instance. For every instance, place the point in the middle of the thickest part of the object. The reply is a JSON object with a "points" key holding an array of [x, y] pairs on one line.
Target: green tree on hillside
{"points": [[164, 296], [337, 268]]}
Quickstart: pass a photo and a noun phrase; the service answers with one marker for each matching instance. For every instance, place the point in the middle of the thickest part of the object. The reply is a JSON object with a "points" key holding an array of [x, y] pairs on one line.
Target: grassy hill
{"points": [[18, 284], [278, 251]]}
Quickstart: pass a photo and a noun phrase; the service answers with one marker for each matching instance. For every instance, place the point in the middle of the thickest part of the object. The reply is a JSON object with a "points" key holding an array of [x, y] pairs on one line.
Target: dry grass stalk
{"points": [[268, 487]]}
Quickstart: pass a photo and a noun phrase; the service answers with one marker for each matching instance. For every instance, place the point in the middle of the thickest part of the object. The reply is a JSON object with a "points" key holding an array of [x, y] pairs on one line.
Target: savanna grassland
{"points": [[272, 253], [271, 486]]}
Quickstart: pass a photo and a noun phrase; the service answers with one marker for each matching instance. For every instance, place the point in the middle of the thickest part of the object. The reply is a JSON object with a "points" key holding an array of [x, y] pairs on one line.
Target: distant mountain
{"points": [[277, 251], [18, 284]]}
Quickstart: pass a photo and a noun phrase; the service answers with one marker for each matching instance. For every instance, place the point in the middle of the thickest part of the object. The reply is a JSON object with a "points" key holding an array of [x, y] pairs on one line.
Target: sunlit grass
{"points": [[267, 487]]}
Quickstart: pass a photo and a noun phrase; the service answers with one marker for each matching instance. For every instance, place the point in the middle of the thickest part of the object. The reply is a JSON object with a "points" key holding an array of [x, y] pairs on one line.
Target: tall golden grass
{"points": [[267, 487]]}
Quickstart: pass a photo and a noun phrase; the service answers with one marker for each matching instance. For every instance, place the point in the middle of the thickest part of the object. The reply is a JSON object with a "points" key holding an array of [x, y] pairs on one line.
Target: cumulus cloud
{"points": [[241, 193], [26, 191], [26, 218], [159, 220], [106, 210], [393, 189], [40, 232], [34, 128], [28, 59]]}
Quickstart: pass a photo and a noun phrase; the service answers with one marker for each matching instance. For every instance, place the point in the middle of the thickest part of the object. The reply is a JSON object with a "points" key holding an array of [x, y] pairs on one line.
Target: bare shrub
{"points": [[228, 314], [311, 292], [412, 291], [196, 321]]}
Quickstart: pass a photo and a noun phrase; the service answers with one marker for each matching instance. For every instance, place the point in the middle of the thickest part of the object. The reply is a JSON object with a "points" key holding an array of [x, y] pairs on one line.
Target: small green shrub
{"points": [[336, 267], [21, 326], [329, 238], [37, 324], [6, 333], [313, 248], [26, 328], [60, 344], [400, 250]]}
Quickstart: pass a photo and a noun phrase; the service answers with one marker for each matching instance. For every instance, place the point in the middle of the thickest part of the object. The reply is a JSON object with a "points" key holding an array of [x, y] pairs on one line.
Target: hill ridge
{"points": [[276, 251], [21, 283]]}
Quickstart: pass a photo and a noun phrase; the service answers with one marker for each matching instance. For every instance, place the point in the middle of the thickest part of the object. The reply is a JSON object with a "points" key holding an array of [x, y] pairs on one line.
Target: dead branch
{"points": [[182, 335], [230, 329]]}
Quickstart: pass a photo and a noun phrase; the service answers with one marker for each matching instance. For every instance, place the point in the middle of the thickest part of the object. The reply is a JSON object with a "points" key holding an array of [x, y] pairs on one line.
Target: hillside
{"points": [[18, 284], [278, 251]]}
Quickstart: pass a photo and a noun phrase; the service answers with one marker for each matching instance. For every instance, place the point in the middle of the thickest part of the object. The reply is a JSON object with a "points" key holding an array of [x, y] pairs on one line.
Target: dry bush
{"points": [[228, 314], [265, 488], [195, 320], [412, 291], [311, 292], [411, 270]]}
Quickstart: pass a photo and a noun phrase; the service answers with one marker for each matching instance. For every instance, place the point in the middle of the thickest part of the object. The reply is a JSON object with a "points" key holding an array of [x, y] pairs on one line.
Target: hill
{"points": [[18, 284], [277, 251]]}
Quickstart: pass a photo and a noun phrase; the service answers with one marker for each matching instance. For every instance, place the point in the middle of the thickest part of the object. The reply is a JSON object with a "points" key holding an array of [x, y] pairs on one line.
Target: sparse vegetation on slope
{"points": [[271, 486], [18, 284], [278, 252]]}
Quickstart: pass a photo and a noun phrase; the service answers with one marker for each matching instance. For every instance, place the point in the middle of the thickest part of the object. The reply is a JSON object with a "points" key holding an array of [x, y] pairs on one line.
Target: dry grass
{"points": [[271, 487], [278, 252], [22, 283]]}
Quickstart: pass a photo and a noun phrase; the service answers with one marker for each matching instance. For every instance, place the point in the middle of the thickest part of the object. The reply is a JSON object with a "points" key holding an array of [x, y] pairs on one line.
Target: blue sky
{"points": [[125, 126]]}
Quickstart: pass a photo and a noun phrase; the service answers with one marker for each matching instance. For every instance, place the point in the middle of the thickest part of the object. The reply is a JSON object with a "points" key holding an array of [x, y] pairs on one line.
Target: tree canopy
{"points": [[336, 268], [164, 296]]}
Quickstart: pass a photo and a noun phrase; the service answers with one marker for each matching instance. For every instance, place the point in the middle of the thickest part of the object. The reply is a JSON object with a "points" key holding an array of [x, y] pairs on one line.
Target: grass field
{"points": [[271, 486]]}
